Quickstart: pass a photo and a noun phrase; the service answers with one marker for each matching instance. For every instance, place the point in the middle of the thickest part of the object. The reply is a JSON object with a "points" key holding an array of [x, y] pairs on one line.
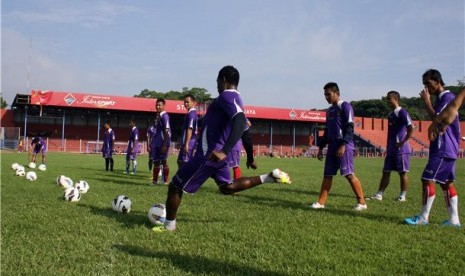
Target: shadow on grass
{"points": [[129, 220], [279, 203], [195, 264], [124, 180]]}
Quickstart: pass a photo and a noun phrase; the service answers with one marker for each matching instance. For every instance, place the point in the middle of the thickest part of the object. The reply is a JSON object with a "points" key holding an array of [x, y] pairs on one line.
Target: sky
{"points": [[285, 50]]}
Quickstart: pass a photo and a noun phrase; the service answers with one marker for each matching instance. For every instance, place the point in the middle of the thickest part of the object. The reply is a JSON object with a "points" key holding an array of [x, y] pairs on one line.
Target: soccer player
{"points": [[222, 126], [338, 136], [442, 154], [151, 140], [189, 131], [133, 147], [398, 149], [38, 145], [446, 117], [162, 143], [108, 144]]}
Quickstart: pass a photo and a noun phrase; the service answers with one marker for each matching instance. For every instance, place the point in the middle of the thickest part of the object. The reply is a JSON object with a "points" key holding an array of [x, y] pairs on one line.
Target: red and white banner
{"points": [[92, 101]]}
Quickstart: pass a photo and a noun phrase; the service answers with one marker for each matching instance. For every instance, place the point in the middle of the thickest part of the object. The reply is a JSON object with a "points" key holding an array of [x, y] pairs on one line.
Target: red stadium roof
{"points": [[93, 101]]}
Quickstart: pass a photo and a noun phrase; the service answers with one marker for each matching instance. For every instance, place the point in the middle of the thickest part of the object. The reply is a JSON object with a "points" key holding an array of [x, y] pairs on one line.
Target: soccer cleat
{"points": [[280, 176], [316, 205], [360, 207], [159, 229], [416, 220], [449, 224], [376, 197], [401, 199]]}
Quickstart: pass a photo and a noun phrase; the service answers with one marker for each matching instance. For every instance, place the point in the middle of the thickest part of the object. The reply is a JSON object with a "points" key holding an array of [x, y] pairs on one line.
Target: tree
{"points": [[200, 94], [3, 103]]}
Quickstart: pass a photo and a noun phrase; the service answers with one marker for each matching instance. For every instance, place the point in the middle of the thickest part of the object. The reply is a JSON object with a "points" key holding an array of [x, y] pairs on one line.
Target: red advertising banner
{"points": [[92, 101]]}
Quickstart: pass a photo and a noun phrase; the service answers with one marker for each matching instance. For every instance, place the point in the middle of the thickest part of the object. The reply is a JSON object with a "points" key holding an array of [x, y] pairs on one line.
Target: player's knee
{"points": [[173, 189], [226, 190]]}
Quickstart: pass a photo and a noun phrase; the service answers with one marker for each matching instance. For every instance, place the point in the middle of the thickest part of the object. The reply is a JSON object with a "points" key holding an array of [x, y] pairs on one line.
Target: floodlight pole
{"points": [[25, 126], [63, 131]]}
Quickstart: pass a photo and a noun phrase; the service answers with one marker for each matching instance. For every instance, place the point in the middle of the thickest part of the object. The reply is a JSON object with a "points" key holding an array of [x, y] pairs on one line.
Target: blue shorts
{"points": [[399, 163], [131, 156], [440, 170], [157, 155], [186, 156], [345, 164], [195, 173], [234, 158], [40, 149]]}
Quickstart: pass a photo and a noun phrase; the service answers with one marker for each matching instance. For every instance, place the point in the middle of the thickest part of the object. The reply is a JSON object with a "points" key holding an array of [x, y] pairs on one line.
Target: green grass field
{"points": [[268, 230]]}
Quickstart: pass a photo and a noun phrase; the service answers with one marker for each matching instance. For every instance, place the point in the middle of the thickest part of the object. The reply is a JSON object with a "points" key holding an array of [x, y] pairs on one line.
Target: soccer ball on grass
{"points": [[82, 186], [72, 194], [31, 176], [157, 214], [64, 182], [121, 204]]}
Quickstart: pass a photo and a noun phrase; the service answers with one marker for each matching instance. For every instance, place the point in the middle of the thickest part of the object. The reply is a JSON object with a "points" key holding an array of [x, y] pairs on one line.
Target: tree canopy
{"points": [[378, 108], [200, 94], [3, 103]]}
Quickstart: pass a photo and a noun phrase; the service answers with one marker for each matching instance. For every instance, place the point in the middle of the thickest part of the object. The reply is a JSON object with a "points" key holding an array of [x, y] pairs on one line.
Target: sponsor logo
{"points": [[292, 114], [429, 171], [98, 101], [69, 99]]}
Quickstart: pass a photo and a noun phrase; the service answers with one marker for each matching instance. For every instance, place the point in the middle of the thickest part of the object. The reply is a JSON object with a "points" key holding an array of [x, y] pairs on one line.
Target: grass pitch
{"points": [[267, 230]]}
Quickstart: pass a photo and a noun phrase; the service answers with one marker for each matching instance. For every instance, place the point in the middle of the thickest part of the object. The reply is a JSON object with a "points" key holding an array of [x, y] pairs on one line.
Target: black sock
{"points": [[111, 164], [106, 163]]}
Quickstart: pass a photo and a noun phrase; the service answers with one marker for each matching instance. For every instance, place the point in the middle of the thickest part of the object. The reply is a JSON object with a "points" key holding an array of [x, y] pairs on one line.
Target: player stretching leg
{"points": [[222, 126]]}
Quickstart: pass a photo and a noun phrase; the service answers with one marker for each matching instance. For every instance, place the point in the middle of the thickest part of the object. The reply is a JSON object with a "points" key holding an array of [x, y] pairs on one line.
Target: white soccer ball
{"points": [[31, 176], [157, 214], [64, 182], [122, 204], [72, 194], [32, 165], [83, 186], [14, 166], [42, 167], [20, 168], [20, 173]]}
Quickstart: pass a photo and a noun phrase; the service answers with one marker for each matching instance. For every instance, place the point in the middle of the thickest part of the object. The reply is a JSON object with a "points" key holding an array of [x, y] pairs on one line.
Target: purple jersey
{"points": [[447, 144], [216, 124], [39, 145], [339, 118], [133, 143], [398, 122], [151, 137], [163, 124], [190, 122], [108, 142]]}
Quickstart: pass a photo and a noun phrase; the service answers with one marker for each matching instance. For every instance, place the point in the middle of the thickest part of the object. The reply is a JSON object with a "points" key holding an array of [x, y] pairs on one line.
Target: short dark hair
{"points": [[107, 122], [161, 101], [331, 86], [230, 74], [190, 96], [432, 74], [395, 94]]}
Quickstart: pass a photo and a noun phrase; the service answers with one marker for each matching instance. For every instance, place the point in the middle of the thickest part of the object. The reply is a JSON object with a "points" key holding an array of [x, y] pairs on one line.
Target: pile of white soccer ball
{"points": [[73, 191], [20, 170]]}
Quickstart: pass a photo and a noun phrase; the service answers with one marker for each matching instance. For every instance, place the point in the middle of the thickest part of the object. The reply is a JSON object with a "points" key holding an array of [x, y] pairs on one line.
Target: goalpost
{"points": [[9, 138]]}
